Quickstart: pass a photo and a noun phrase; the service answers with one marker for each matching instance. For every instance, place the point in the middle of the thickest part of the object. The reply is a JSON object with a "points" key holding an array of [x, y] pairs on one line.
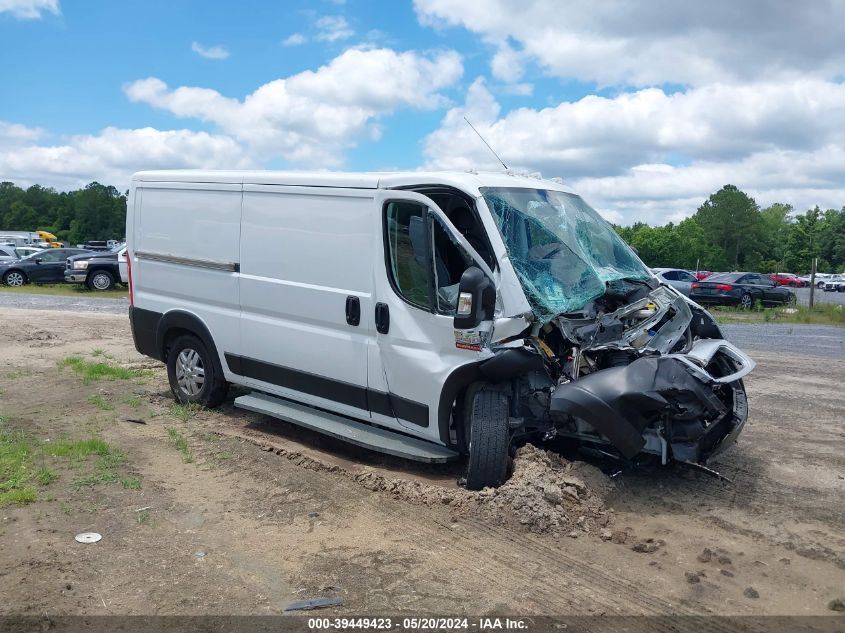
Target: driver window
{"points": [[408, 257]]}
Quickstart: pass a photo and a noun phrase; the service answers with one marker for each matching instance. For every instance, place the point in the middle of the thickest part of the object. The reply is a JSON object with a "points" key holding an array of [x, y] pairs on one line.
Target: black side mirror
{"points": [[476, 299], [38, 260]]}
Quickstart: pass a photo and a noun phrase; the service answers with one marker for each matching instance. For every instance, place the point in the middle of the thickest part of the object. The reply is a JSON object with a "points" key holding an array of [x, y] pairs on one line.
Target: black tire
{"points": [[489, 440], [15, 278], [100, 280], [212, 391], [746, 301]]}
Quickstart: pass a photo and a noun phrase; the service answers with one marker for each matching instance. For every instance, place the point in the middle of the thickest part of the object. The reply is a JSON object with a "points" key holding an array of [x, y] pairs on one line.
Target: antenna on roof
{"points": [[486, 143]]}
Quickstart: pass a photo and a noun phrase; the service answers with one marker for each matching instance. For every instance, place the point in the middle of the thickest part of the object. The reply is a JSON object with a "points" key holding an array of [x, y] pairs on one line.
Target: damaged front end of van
{"points": [[607, 356]]}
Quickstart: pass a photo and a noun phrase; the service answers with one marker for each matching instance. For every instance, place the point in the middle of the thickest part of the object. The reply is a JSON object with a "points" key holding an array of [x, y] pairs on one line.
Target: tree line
{"points": [[95, 212], [728, 232], [731, 232]]}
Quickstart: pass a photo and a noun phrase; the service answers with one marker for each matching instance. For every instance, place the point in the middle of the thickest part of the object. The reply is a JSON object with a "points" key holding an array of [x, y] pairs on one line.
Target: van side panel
{"points": [[180, 231], [304, 251]]}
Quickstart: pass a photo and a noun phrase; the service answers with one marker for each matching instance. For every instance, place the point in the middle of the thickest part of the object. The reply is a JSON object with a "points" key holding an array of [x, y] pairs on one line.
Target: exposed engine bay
{"points": [[637, 372]]}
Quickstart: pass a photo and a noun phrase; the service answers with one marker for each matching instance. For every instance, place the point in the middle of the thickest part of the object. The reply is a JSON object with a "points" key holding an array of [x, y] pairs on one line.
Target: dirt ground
{"points": [[265, 513]]}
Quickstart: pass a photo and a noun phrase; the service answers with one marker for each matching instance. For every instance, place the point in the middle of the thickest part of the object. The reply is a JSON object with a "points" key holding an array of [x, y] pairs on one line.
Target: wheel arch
{"points": [[178, 322]]}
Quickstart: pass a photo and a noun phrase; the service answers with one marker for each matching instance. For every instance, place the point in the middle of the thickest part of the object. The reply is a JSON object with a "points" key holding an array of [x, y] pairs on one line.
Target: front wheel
{"points": [[489, 440], [14, 278], [195, 377], [101, 280]]}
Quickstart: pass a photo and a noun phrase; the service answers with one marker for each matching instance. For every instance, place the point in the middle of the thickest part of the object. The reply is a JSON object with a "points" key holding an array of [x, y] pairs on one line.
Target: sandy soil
{"points": [[268, 513]]}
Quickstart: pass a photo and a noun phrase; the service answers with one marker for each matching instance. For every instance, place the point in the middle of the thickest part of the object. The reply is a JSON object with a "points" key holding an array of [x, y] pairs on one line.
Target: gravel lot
{"points": [[821, 296], [71, 304], [822, 341]]}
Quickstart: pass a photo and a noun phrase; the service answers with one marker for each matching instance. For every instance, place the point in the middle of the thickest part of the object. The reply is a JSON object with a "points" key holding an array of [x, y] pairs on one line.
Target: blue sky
{"points": [[646, 110]]}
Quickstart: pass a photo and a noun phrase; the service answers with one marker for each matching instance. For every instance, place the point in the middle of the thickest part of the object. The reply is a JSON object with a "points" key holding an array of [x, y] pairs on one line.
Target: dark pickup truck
{"points": [[99, 271]]}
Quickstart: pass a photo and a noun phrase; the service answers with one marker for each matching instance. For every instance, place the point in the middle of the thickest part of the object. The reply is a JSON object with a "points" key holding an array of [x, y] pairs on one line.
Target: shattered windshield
{"points": [[563, 251]]}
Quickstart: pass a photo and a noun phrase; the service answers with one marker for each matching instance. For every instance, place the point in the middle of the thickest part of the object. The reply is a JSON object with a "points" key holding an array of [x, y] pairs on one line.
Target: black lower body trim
{"points": [[144, 325], [335, 390]]}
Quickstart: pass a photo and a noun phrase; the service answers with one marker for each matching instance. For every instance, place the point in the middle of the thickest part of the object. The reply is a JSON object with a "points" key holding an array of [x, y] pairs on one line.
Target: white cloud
{"points": [[29, 9], [13, 134], [311, 117], [294, 39], [210, 52], [114, 154], [769, 138], [617, 42], [332, 28]]}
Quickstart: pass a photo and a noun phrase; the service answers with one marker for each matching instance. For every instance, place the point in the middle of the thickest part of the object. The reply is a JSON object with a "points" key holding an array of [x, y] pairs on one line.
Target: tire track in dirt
{"points": [[529, 561]]}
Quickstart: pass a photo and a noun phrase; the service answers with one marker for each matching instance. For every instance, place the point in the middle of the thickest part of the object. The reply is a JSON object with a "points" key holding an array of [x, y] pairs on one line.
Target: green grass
{"points": [[184, 412], [821, 314], [65, 290], [181, 444], [99, 371], [134, 402], [46, 475], [131, 483], [22, 463], [101, 403]]}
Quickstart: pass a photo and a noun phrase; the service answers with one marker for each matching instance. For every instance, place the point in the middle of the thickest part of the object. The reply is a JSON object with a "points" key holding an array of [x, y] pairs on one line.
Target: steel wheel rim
{"points": [[190, 374], [14, 279], [100, 282]]}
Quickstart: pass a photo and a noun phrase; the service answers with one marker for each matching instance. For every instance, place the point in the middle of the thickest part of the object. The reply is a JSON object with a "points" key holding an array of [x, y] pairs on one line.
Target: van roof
{"points": [[468, 181]]}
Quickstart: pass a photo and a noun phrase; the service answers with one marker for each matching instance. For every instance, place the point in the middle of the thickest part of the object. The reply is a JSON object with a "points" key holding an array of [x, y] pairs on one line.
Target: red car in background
{"points": [[786, 279], [702, 274]]}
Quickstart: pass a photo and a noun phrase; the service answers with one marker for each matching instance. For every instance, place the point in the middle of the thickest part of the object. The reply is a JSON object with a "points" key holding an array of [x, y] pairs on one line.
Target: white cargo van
{"points": [[426, 315]]}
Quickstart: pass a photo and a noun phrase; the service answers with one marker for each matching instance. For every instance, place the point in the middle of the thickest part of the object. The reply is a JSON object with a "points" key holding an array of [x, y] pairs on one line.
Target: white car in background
{"points": [[26, 251], [8, 253], [680, 279]]}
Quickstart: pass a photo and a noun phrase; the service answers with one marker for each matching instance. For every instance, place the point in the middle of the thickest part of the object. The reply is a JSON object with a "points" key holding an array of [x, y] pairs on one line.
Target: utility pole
{"points": [[813, 281]]}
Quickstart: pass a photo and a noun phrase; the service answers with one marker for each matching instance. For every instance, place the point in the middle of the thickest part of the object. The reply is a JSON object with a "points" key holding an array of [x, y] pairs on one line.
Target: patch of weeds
{"points": [[101, 403], [16, 454], [184, 412], [77, 450], [135, 402], [181, 444], [143, 517], [20, 496], [131, 483], [100, 371], [46, 475], [105, 472]]}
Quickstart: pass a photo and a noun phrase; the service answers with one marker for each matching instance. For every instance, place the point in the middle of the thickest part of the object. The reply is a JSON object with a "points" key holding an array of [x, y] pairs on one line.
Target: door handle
{"points": [[353, 310], [382, 318]]}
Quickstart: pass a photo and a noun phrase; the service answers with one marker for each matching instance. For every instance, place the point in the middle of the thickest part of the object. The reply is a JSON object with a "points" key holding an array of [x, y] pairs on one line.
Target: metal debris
{"points": [[88, 537], [314, 603]]}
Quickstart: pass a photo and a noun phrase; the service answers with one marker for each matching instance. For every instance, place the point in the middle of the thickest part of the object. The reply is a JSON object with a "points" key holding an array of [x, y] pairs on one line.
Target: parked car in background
{"points": [[834, 284], [96, 245], [740, 289], [26, 251], [8, 253], [702, 274], [787, 279], [680, 279], [99, 271], [46, 266]]}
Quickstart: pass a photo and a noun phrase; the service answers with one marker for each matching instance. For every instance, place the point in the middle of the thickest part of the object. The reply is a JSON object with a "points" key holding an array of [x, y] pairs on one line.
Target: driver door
{"points": [[51, 266], [416, 346]]}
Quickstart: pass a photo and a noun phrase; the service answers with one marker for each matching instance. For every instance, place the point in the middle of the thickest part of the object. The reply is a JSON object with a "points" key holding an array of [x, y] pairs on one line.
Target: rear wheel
{"points": [[14, 278], [489, 440], [746, 301], [194, 374], [100, 280]]}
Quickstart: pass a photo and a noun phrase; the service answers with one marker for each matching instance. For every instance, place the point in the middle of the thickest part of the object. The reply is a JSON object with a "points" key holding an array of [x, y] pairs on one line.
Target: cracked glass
{"points": [[562, 250]]}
